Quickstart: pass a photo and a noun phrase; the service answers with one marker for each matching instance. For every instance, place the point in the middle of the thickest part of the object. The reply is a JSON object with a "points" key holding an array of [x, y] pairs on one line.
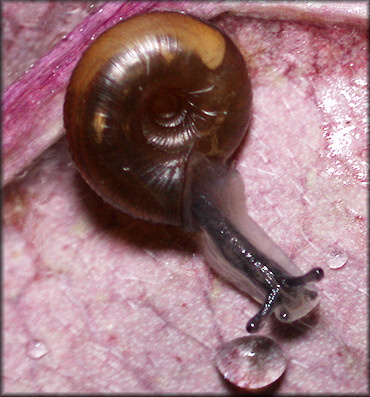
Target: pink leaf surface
{"points": [[95, 301]]}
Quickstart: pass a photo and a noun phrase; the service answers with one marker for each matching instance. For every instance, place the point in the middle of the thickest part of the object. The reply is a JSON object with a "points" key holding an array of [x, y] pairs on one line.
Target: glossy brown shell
{"points": [[150, 93]]}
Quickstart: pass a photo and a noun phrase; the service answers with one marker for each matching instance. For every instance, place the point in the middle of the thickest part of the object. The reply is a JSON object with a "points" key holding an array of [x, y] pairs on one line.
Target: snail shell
{"points": [[149, 95]]}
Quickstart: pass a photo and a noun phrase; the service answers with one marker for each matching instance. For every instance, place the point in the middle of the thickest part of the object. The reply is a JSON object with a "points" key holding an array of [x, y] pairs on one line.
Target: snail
{"points": [[153, 111]]}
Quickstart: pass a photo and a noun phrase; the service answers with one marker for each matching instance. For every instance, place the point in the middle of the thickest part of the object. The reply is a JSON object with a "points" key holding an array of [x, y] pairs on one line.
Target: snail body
{"points": [[153, 111]]}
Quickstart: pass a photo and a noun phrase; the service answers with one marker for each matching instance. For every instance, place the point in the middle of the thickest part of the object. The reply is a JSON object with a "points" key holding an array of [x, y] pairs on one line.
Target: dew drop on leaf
{"points": [[36, 349], [337, 259], [250, 362]]}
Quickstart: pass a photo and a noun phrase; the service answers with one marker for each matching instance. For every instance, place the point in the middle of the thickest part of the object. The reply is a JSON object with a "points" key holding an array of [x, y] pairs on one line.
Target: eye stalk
{"points": [[276, 295], [153, 112], [315, 274]]}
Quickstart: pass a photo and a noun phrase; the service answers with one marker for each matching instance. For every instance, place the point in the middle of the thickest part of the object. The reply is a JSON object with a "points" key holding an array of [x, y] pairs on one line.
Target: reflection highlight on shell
{"points": [[153, 112]]}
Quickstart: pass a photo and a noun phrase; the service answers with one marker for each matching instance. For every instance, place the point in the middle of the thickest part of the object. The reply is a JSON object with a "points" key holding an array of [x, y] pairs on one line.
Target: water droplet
{"points": [[36, 349], [251, 362], [22, 174], [337, 259]]}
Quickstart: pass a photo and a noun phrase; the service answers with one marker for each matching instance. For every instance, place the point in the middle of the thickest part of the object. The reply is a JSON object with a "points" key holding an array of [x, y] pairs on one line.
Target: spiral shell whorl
{"points": [[149, 93]]}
